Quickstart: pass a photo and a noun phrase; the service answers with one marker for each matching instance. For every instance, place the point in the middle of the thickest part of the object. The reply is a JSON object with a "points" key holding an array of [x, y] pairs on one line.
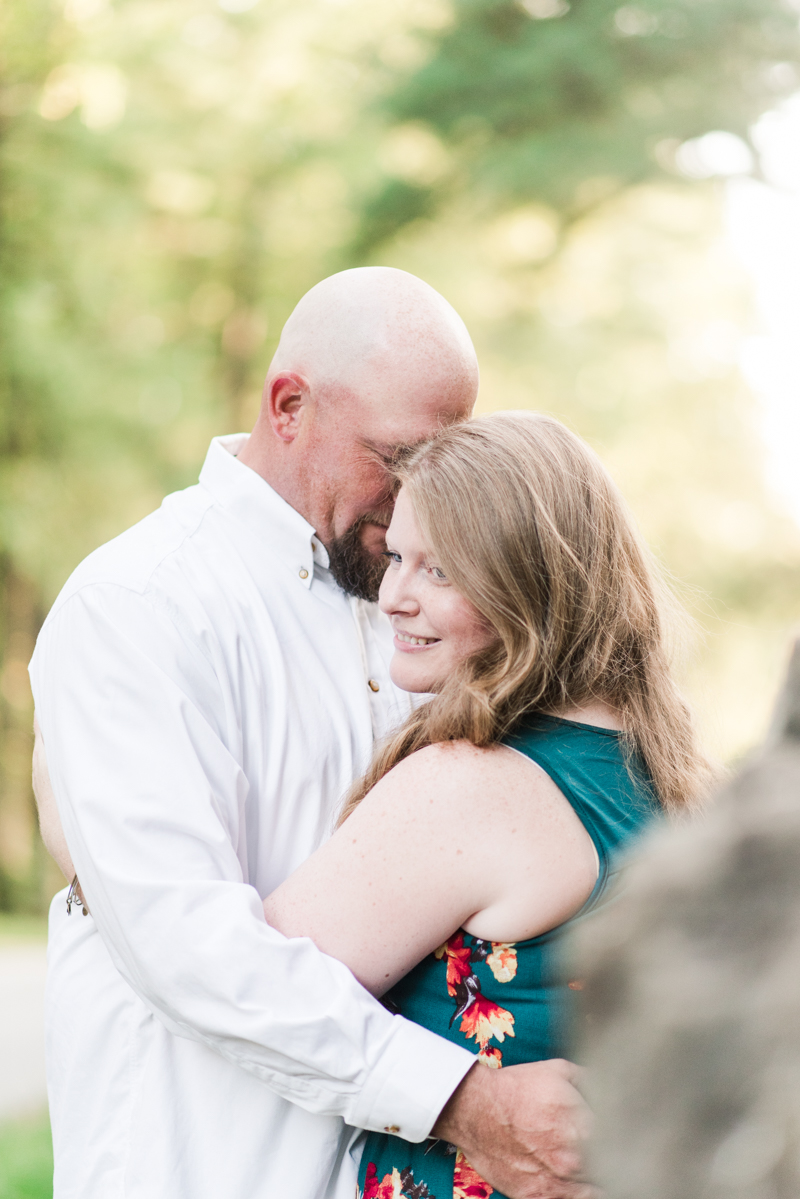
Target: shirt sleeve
{"points": [[152, 804]]}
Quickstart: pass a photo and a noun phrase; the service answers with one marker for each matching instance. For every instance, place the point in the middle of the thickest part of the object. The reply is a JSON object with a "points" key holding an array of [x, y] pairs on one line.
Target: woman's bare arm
{"points": [[49, 819], [453, 837]]}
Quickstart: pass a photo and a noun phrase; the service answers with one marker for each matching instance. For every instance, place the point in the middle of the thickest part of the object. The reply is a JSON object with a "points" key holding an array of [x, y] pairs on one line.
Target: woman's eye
{"points": [[439, 574], [393, 556]]}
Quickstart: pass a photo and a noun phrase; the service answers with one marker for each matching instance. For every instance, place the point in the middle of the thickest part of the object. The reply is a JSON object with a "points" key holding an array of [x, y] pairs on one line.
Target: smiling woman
{"points": [[519, 545], [523, 600], [435, 626]]}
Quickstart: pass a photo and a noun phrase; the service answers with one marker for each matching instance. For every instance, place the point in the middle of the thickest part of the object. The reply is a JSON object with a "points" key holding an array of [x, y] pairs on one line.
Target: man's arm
{"points": [[151, 802], [522, 1130], [190, 938]]}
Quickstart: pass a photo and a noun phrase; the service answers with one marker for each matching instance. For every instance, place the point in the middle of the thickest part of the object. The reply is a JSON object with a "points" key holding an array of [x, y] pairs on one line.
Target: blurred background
{"points": [[609, 194]]}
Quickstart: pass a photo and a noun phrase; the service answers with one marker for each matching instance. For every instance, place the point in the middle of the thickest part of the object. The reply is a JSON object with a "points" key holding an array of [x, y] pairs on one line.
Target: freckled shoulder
{"points": [[457, 778], [467, 764]]}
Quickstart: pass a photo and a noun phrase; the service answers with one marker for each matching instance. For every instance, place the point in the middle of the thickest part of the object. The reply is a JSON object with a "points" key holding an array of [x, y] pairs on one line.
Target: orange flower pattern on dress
{"points": [[458, 961], [399, 1184], [502, 961], [467, 1183], [481, 1018], [491, 1056]]}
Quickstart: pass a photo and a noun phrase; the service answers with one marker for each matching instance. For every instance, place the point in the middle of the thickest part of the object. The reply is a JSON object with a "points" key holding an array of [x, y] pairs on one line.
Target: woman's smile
{"points": [[408, 642]]}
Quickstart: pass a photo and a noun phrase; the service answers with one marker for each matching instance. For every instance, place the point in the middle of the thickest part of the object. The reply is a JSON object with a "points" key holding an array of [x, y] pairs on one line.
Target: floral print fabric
{"points": [[512, 1002], [467, 1183], [480, 1019]]}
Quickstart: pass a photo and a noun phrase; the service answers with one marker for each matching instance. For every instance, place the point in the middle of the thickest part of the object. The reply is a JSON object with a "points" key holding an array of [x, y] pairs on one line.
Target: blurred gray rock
{"points": [[692, 996]]}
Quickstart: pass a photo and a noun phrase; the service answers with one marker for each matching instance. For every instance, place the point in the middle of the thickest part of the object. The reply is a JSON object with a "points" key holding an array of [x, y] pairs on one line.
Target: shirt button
{"points": [[373, 686], [392, 1128], [304, 573]]}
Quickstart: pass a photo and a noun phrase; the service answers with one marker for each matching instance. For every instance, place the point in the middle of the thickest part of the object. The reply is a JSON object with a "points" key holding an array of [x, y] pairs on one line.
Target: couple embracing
{"points": [[254, 1008]]}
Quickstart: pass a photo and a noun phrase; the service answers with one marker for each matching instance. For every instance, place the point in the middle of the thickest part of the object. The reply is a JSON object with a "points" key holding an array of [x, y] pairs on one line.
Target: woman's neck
{"points": [[596, 712]]}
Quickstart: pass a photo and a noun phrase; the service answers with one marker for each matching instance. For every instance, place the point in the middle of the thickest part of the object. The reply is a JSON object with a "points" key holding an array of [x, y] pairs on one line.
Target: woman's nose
{"points": [[396, 594]]}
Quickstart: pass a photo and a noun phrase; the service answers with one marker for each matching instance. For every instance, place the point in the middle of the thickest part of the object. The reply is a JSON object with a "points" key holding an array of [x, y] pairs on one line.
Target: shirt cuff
{"points": [[410, 1084]]}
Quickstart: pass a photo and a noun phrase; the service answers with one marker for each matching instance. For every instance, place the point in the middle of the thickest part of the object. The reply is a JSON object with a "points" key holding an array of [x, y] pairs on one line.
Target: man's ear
{"points": [[287, 398]]}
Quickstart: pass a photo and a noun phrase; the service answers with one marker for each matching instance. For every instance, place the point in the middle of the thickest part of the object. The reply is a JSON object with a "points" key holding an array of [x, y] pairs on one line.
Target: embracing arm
{"points": [[453, 837], [150, 799], [457, 836], [394, 881]]}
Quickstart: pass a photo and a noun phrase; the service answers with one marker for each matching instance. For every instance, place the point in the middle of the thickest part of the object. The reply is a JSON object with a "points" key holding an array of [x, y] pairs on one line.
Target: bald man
{"points": [[207, 686]]}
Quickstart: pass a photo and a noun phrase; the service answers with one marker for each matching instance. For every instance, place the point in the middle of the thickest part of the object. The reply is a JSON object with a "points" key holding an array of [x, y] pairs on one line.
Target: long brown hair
{"points": [[526, 523]]}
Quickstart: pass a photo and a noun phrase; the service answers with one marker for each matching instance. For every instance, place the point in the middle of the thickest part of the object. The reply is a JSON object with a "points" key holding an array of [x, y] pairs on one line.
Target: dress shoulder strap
{"points": [[606, 785]]}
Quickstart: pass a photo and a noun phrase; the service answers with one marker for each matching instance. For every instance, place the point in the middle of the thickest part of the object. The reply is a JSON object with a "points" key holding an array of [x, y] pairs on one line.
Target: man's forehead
{"points": [[392, 449], [390, 431]]}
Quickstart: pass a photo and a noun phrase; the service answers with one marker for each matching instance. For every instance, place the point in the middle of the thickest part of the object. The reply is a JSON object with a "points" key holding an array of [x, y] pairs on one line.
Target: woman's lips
{"points": [[407, 643]]}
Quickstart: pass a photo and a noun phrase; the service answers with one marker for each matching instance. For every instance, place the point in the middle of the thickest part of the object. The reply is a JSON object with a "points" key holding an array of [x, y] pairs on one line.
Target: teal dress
{"points": [[513, 1002]]}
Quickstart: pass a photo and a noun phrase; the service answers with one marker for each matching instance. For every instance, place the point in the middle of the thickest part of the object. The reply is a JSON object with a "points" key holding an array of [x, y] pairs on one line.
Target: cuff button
{"points": [[392, 1128]]}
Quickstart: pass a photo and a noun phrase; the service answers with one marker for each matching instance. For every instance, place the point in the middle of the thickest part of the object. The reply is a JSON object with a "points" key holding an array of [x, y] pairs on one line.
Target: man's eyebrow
{"points": [[384, 450], [393, 454]]}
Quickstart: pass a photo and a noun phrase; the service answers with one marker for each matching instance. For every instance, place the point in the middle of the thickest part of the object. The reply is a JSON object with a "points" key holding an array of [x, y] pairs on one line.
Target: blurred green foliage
{"points": [[174, 174], [26, 1159], [570, 103], [16, 927]]}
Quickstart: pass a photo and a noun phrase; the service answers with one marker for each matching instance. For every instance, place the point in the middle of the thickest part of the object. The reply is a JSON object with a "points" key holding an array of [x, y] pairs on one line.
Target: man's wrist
{"points": [[408, 1085], [468, 1100]]}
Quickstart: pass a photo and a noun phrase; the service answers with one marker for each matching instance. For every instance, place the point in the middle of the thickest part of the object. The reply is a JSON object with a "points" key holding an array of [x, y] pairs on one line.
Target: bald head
{"points": [[371, 361], [365, 328]]}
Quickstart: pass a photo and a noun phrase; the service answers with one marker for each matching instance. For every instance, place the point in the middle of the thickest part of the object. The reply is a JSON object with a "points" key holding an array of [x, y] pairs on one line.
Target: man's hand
{"points": [[521, 1128]]}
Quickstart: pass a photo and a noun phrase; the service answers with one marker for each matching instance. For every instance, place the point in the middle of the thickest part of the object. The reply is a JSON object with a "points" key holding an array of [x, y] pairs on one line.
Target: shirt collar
{"points": [[250, 500]]}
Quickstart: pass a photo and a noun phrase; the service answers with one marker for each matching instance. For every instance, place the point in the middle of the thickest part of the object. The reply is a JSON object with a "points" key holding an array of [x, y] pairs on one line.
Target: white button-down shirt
{"points": [[207, 694]]}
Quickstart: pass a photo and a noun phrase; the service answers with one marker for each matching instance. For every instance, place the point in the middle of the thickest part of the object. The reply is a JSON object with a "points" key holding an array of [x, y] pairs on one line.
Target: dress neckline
{"points": [[575, 724]]}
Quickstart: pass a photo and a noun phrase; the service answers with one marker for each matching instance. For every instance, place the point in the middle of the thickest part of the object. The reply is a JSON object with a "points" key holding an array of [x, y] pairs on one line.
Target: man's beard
{"points": [[355, 569]]}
